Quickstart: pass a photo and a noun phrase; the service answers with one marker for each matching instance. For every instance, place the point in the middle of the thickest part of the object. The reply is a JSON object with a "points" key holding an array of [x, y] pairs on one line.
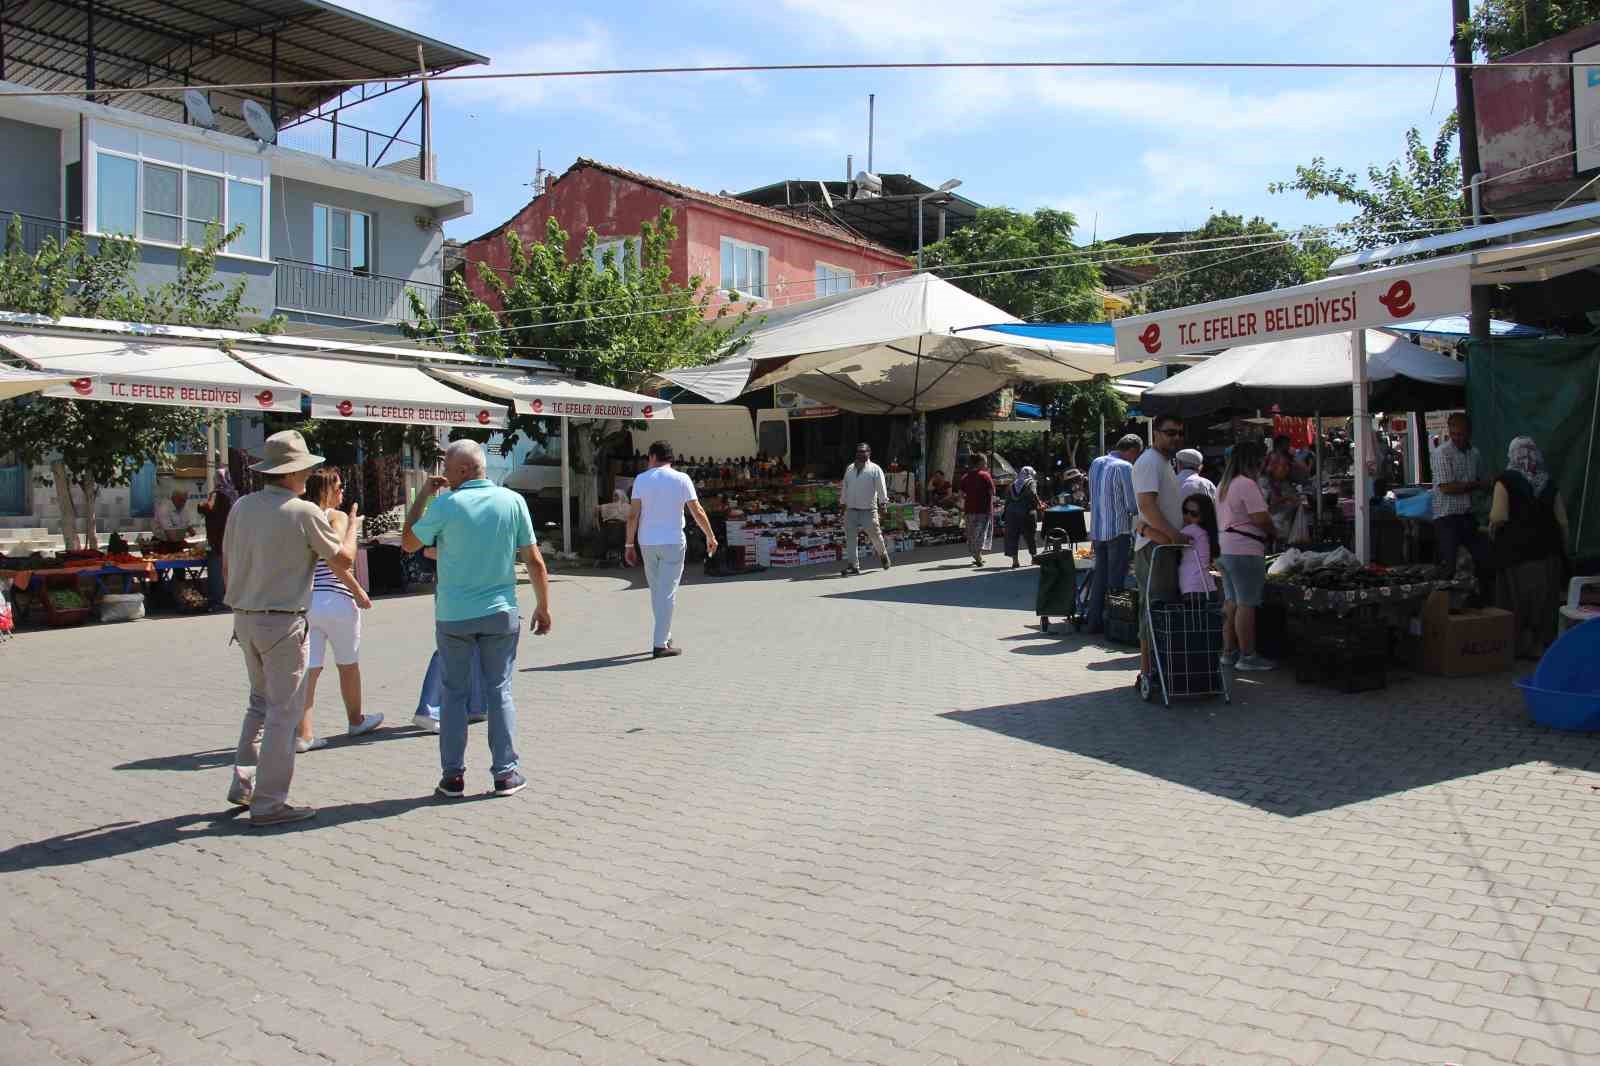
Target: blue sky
{"points": [[1125, 150]]}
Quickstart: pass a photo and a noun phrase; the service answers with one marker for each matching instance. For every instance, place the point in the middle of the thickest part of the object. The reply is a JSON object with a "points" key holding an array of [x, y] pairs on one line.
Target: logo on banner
{"points": [[1398, 299], [483, 418], [82, 386], [536, 406], [346, 408], [264, 397], [1151, 338], [648, 411]]}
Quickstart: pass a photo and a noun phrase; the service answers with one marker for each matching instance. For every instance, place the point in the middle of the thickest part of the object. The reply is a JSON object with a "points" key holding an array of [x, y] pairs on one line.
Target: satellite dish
{"points": [[260, 123], [199, 108]]}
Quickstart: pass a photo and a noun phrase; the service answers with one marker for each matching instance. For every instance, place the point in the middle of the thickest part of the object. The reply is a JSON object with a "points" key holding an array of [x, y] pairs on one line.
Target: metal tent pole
{"points": [[1361, 425], [1102, 450], [1317, 432], [566, 493]]}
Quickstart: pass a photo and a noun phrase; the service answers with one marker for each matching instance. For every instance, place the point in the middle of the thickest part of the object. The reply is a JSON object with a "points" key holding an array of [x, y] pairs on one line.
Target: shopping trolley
{"points": [[1185, 641]]}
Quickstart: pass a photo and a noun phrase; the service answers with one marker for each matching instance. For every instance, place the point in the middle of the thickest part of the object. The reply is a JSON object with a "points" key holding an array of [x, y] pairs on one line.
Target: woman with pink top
{"points": [[1200, 526], [1245, 527]]}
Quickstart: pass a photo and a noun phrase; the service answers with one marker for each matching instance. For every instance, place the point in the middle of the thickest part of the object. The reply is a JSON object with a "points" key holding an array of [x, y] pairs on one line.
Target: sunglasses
{"points": [[1193, 512], [1172, 432]]}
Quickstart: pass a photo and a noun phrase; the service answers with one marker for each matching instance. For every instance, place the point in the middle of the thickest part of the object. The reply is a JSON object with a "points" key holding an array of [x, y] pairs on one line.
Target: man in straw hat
{"points": [[271, 546]]}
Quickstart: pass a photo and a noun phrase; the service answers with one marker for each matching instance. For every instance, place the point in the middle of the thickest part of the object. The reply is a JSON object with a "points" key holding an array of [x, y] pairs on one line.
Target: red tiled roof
{"points": [[766, 214]]}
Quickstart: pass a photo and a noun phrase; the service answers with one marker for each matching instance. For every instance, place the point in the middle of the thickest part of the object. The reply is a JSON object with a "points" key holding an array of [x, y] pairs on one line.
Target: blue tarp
{"points": [[1458, 326], [1027, 410], [1067, 332]]}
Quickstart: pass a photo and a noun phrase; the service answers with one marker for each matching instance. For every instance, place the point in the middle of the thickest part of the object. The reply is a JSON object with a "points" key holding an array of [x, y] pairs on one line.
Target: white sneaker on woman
{"points": [[368, 723], [302, 745], [424, 723], [1256, 662]]}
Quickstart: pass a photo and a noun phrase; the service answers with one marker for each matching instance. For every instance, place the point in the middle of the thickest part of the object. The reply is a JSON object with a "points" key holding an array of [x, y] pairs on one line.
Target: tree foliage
{"points": [[614, 324], [1075, 412], [1501, 27], [93, 444], [1414, 196], [1241, 258], [1010, 248]]}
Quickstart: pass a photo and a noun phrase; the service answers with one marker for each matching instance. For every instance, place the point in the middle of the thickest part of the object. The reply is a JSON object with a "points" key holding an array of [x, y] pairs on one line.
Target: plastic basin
{"points": [[1577, 712], [1568, 664]]}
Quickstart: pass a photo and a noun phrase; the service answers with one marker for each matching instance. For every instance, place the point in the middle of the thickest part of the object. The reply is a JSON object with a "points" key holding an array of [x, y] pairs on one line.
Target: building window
{"points": [[165, 191], [832, 279], [341, 239], [744, 268], [624, 252]]}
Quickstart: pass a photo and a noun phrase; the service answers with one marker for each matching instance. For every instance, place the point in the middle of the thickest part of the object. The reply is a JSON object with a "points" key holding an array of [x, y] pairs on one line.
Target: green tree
{"points": [[1412, 197], [1245, 257], [1501, 27], [1076, 413], [1030, 265], [86, 444], [614, 324]]}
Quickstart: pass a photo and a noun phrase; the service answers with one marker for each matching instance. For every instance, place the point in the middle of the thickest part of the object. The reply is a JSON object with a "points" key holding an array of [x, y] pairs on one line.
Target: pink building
{"points": [[729, 244]]}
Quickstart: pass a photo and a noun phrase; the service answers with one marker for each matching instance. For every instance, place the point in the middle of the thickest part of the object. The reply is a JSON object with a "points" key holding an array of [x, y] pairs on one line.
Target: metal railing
{"points": [[339, 293], [36, 229]]}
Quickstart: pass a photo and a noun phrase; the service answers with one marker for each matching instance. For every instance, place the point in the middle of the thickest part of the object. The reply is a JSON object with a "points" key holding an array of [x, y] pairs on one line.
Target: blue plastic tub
{"points": [[1578, 712]]}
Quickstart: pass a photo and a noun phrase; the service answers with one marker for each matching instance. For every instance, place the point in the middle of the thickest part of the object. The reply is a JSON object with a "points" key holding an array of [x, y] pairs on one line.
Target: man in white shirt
{"points": [[171, 525], [863, 490], [655, 517], [1190, 480], [1160, 517]]}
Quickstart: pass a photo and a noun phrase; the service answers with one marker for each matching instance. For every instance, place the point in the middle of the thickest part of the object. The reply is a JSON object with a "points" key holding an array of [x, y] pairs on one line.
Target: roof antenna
{"points": [[871, 108]]}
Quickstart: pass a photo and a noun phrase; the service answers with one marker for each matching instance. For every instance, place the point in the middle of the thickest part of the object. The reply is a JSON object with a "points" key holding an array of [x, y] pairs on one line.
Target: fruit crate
{"points": [[64, 614]]}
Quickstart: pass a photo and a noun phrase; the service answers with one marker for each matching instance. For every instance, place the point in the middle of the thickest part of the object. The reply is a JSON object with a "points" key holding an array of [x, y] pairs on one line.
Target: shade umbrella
{"points": [[1311, 375], [916, 345], [17, 382]]}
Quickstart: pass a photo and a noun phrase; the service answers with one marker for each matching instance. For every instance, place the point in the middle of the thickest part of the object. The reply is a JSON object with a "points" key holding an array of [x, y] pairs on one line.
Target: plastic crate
{"points": [[1122, 631]]}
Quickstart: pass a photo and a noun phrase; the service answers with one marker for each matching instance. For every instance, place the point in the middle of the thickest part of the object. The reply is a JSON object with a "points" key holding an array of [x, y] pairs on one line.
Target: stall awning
{"points": [[549, 397], [121, 369], [16, 382], [1005, 425], [345, 389]]}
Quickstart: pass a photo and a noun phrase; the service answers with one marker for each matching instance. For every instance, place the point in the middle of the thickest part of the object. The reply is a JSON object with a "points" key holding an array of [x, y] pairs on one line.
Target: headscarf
{"points": [[1526, 459], [1025, 477], [225, 486]]}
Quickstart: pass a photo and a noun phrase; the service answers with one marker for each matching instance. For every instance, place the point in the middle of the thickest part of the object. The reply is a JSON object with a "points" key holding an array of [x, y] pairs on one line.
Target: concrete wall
{"points": [[159, 265], [1524, 117], [30, 180]]}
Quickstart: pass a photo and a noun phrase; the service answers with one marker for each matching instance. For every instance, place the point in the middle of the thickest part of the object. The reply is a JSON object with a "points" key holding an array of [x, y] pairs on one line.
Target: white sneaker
{"points": [[1229, 658], [368, 723], [1255, 662], [426, 724], [302, 745]]}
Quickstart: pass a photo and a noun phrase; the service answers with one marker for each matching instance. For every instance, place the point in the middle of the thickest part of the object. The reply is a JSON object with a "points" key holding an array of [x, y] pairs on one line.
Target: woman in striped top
{"points": [[337, 601]]}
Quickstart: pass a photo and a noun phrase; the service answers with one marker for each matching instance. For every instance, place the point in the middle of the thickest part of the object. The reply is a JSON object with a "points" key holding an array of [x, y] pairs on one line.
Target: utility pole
{"points": [[1471, 168]]}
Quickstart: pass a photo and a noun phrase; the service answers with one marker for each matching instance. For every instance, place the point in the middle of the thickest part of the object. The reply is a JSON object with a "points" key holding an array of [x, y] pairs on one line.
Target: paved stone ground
{"points": [[878, 820]]}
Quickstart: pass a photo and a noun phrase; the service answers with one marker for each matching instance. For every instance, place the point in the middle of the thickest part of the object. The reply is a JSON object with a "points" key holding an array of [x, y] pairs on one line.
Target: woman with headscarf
{"points": [[1022, 507], [1528, 527]]}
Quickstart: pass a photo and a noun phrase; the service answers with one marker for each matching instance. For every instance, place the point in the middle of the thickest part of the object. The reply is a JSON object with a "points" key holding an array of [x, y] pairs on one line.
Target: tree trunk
{"points": [[585, 438], [69, 510], [91, 495], [942, 436]]}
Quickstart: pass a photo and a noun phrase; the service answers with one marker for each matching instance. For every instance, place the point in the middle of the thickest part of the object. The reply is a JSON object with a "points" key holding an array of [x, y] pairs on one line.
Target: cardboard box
{"points": [[1457, 643]]}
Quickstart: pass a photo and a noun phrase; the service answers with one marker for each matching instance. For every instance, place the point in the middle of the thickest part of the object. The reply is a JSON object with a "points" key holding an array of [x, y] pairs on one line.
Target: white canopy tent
{"points": [[343, 389], [909, 347], [16, 382], [1378, 297], [563, 398]]}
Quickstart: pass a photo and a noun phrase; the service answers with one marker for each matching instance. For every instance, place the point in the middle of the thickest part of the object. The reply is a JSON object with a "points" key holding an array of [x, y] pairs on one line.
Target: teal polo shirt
{"points": [[477, 530]]}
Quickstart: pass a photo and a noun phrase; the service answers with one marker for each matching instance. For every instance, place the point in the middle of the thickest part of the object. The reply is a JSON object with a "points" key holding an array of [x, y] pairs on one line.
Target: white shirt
{"points": [[1153, 473], [169, 522], [863, 488], [1192, 482], [662, 493]]}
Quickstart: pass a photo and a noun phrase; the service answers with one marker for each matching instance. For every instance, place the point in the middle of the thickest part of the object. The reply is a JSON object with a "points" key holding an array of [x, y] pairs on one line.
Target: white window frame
{"points": [[90, 174], [745, 247], [834, 275], [365, 272], [619, 245]]}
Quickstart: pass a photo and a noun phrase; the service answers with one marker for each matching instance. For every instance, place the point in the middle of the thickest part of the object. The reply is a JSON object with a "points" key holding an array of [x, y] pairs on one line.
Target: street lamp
{"points": [[940, 191]]}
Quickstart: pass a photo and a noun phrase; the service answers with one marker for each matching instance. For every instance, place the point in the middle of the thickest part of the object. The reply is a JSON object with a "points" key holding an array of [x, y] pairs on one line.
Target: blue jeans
{"points": [[663, 569], [432, 697], [492, 642], [1111, 558], [215, 589]]}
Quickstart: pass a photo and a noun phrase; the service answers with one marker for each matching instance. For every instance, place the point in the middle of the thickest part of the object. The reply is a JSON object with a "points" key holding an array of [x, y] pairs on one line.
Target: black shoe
{"points": [[848, 571], [510, 784], [886, 562], [665, 653], [452, 787]]}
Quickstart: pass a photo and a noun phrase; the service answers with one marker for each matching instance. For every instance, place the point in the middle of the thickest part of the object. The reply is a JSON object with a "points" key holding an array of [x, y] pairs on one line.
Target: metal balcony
{"points": [[337, 293]]}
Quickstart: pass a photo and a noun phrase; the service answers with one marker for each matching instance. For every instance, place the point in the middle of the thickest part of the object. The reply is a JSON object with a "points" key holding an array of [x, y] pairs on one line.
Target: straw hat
{"points": [[285, 453]]}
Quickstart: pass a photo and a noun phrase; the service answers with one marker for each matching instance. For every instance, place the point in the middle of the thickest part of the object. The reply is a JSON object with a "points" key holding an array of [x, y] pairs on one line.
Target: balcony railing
{"points": [[36, 229], [339, 293]]}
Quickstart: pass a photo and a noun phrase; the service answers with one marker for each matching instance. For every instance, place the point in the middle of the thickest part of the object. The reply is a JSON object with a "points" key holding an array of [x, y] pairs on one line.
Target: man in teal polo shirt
{"points": [[479, 530]]}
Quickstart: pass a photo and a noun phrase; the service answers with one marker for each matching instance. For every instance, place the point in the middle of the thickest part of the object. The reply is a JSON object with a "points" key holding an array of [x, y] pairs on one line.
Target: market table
{"points": [[141, 571]]}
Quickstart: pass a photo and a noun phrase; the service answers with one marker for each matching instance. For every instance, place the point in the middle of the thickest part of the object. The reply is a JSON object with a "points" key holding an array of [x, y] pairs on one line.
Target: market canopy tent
{"points": [[916, 345], [1311, 375], [127, 370], [553, 397], [345, 389], [16, 382]]}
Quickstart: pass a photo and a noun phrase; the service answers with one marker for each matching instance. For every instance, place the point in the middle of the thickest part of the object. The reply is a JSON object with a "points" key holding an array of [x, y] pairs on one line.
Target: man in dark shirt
{"points": [[977, 494]]}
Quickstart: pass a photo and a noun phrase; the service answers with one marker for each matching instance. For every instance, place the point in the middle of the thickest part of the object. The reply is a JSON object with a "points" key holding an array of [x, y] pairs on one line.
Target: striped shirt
{"points": [[1112, 502], [325, 580], [1452, 464]]}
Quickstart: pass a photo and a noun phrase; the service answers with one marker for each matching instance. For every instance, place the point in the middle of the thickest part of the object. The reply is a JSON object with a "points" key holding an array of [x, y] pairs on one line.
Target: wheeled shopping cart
{"points": [[1061, 589], [1185, 639]]}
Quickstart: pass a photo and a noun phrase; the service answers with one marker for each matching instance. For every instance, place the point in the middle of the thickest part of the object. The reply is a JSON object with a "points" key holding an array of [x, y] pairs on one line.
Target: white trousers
{"points": [[663, 568]]}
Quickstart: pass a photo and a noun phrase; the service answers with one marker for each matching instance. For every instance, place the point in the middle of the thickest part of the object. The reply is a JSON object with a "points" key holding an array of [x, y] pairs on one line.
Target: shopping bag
{"points": [[1300, 528], [6, 620], [1419, 506]]}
